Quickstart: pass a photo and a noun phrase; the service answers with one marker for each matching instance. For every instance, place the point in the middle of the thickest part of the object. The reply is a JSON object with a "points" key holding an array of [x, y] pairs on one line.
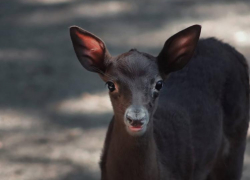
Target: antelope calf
{"points": [[182, 115]]}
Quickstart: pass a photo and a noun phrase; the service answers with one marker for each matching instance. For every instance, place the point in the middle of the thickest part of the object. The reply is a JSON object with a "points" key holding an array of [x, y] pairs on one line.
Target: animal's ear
{"points": [[178, 50], [90, 50]]}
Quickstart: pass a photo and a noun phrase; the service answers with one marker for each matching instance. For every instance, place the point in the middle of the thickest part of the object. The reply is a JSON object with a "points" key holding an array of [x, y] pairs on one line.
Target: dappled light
{"points": [[100, 9], [242, 38], [89, 10], [46, 2], [226, 26], [28, 137], [85, 104], [53, 113], [13, 120]]}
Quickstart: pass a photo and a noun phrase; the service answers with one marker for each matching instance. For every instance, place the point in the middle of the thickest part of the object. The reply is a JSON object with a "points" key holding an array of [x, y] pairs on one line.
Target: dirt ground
{"points": [[53, 113]]}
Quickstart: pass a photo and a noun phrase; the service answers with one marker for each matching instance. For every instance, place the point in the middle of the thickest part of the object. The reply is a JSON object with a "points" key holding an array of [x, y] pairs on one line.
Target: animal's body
{"points": [[195, 128], [205, 108]]}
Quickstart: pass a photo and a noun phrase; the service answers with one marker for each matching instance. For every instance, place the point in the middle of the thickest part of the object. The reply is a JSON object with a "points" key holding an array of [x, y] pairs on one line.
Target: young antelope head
{"points": [[134, 78]]}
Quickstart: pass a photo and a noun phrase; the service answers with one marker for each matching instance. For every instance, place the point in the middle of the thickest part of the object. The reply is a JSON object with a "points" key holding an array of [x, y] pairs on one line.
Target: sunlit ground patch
{"points": [[12, 119], [86, 104]]}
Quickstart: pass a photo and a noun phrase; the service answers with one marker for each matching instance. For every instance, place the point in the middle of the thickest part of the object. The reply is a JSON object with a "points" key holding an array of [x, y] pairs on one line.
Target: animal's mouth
{"points": [[135, 128], [136, 125]]}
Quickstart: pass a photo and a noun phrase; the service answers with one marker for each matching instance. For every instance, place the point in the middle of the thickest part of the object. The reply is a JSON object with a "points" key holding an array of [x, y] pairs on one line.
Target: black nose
{"points": [[135, 122]]}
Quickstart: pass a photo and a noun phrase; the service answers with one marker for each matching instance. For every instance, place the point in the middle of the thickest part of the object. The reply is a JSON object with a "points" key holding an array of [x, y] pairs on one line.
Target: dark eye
{"points": [[111, 86], [159, 85]]}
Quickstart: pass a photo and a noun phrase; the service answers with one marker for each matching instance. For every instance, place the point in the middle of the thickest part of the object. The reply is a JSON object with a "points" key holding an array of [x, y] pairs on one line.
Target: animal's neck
{"points": [[131, 158]]}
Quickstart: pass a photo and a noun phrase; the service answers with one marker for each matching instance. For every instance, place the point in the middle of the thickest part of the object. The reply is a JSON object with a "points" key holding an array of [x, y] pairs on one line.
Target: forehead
{"points": [[134, 65]]}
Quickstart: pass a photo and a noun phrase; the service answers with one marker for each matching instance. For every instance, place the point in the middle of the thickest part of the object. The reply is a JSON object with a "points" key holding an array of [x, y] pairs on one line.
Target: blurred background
{"points": [[53, 113]]}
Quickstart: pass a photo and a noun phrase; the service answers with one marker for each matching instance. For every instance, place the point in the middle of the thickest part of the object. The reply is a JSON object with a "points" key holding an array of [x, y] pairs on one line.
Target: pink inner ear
{"points": [[183, 41], [181, 46], [91, 48]]}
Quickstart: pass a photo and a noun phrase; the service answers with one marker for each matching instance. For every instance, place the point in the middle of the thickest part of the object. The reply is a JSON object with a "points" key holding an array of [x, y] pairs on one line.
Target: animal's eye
{"points": [[159, 85], [111, 86]]}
